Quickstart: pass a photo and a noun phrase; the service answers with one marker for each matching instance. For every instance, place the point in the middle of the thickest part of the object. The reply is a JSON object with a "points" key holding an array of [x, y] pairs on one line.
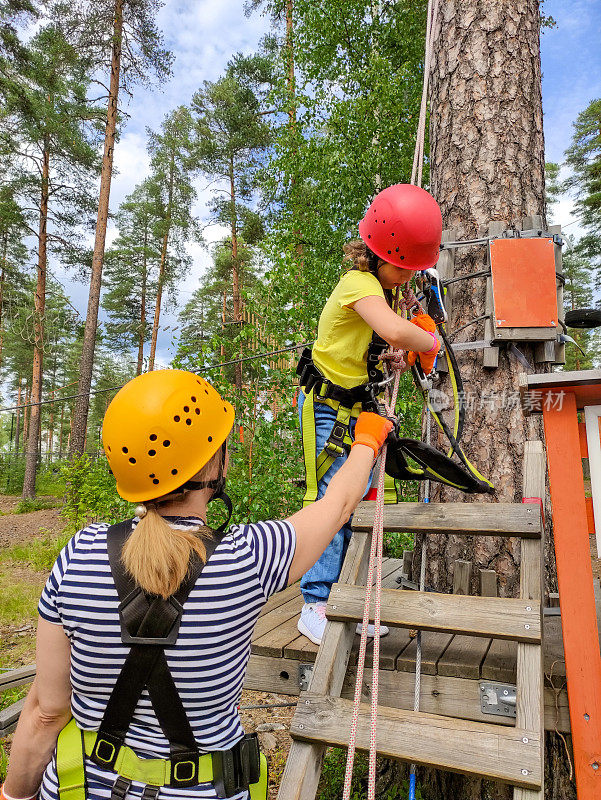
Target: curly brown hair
{"points": [[356, 255]]}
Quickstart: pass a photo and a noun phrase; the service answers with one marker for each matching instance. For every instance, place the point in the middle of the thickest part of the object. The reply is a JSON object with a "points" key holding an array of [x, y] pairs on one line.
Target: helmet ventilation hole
{"points": [[206, 391], [392, 234], [176, 418], [197, 381], [389, 252], [210, 438], [152, 475], [166, 443], [132, 460], [225, 409], [397, 250], [174, 472], [155, 480], [186, 409], [109, 448], [188, 421], [152, 452], [197, 410], [153, 437], [369, 235], [125, 450], [193, 399], [402, 258]]}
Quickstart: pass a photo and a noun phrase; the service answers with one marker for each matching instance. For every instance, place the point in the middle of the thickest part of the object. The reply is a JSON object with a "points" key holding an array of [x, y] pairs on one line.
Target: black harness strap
{"points": [[149, 624]]}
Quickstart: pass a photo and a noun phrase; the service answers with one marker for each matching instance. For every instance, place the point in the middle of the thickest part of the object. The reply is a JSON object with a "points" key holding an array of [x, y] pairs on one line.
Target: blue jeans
{"points": [[317, 582]]}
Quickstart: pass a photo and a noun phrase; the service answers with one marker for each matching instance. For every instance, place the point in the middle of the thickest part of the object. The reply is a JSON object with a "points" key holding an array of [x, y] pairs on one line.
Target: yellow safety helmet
{"points": [[160, 429]]}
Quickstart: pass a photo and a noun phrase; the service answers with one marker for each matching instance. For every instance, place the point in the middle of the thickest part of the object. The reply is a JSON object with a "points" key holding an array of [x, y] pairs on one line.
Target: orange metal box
{"points": [[524, 283]]}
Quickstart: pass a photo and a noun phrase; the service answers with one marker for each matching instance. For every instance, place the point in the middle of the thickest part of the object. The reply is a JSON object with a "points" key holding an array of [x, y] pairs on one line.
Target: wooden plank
{"points": [[560, 349], [9, 717], [447, 696], [462, 572], [407, 563], [303, 766], [488, 583], [266, 674], [504, 618], [464, 657], [490, 355], [276, 617], [500, 662], [481, 519], [274, 642], [525, 334], [433, 647], [16, 677], [530, 710], [473, 748]]}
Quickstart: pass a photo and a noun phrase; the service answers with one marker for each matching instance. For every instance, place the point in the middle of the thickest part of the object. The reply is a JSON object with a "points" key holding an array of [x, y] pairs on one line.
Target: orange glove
{"points": [[426, 360], [425, 322], [372, 429]]}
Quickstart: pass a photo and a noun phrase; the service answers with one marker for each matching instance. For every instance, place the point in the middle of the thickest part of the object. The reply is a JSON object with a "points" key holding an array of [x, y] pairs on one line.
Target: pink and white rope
{"points": [[375, 559]]}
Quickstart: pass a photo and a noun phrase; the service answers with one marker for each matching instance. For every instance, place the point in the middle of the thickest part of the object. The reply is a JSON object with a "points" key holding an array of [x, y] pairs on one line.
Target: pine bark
{"points": [[18, 420], [486, 164], [80, 416], [35, 414], [142, 333]]}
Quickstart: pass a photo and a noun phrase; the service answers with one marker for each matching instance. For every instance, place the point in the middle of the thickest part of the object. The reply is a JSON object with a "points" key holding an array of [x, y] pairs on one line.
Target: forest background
{"points": [[220, 235]]}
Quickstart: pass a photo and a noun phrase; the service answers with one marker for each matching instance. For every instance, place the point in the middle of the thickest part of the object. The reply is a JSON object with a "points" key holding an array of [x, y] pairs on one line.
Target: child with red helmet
{"points": [[400, 235]]}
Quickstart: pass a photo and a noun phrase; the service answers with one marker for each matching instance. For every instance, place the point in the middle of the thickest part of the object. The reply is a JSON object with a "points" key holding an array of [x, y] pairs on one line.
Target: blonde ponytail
{"points": [[157, 556]]}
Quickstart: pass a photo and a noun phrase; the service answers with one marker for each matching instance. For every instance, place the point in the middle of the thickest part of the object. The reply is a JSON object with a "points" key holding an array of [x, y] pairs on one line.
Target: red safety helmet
{"points": [[403, 226]]}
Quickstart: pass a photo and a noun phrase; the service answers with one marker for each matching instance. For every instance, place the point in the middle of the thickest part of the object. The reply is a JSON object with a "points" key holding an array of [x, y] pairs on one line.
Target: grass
{"points": [[39, 554], [35, 504], [3, 762], [18, 601]]}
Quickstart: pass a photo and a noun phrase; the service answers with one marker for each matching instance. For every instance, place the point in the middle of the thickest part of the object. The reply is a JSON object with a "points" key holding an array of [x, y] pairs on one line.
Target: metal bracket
{"points": [[305, 671], [498, 698]]}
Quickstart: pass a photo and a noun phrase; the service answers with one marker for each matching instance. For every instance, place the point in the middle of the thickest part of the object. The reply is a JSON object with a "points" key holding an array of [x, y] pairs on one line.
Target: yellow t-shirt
{"points": [[343, 337]]}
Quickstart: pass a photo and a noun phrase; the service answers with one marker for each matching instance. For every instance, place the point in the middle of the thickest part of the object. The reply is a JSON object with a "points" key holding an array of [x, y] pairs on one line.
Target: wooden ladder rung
{"points": [[505, 754], [493, 617], [480, 519]]}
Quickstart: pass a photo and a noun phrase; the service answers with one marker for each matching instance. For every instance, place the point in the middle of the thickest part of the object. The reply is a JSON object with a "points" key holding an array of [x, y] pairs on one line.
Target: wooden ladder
{"points": [[513, 755]]}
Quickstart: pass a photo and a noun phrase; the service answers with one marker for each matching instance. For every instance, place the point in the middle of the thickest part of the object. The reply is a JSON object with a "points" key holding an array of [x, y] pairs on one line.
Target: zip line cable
{"points": [[196, 372]]}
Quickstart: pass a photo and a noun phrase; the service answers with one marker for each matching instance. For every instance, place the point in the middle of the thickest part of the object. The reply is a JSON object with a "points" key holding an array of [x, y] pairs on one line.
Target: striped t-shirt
{"points": [[207, 662]]}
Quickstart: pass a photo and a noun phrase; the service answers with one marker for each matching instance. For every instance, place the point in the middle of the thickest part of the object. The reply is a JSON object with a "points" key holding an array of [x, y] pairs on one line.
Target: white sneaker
{"points": [[312, 622], [371, 631]]}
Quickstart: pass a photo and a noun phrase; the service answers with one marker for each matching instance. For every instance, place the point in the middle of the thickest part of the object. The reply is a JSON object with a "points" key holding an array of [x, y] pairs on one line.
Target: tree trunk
{"points": [[80, 417], [142, 333], [31, 458], [235, 268], [162, 268], [486, 164], [18, 420], [2, 280]]}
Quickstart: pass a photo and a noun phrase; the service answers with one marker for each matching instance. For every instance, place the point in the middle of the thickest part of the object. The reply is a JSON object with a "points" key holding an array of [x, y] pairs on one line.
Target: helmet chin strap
{"points": [[218, 486]]}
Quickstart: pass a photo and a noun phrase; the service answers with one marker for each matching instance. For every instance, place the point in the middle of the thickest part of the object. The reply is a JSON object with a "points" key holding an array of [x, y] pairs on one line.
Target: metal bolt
{"points": [[505, 691], [586, 717], [337, 590], [301, 726], [333, 606], [553, 323], [528, 608], [524, 771], [527, 627], [525, 740], [482, 688], [594, 765], [307, 702]]}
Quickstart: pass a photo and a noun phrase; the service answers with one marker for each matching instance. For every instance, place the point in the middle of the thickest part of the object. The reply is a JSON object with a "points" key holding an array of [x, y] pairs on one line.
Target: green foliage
{"points": [[34, 504], [395, 543], [332, 779], [41, 553], [91, 493], [3, 762]]}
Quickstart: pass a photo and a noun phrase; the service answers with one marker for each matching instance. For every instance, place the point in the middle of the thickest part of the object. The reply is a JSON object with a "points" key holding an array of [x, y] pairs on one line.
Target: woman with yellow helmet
{"points": [[145, 626]]}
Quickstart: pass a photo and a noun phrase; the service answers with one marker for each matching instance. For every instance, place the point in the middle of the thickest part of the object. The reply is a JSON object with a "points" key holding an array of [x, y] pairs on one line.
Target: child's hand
{"points": [[371, 430], [426, 360]]}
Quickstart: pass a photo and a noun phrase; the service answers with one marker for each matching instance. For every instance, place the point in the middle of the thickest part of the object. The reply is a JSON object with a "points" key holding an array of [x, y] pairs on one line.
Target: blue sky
{"points": [[204, 34]]}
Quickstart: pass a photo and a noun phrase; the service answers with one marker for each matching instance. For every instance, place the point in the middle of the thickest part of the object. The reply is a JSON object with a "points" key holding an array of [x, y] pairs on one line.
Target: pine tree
{"points": [[231, 139], [129, 265], [120, 35], [48, 127], [171, 188]]}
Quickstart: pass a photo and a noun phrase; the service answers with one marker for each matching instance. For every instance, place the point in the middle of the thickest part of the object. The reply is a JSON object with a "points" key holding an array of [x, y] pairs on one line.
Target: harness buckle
{"points": [[120, 788], [335, 444], [184, 769], [106, 749], [235, 769]]}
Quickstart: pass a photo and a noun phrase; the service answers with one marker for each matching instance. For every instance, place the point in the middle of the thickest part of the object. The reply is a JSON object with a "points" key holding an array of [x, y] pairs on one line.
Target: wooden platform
{"points": [[452, 665]]}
